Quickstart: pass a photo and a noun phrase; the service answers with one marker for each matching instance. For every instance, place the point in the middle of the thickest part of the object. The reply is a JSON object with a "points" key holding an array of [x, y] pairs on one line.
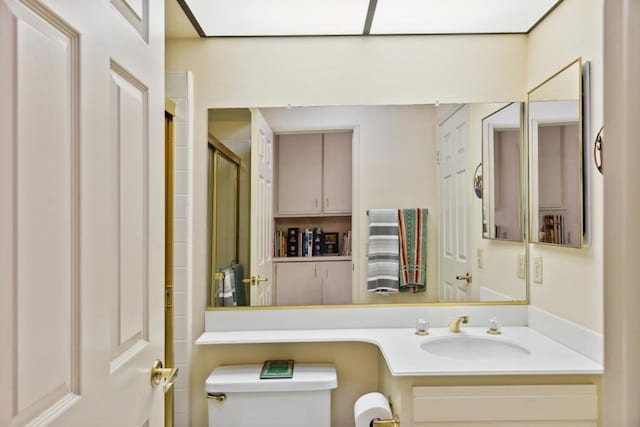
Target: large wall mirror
{"points": [[555, 156], [502, 160], [309, 180]]}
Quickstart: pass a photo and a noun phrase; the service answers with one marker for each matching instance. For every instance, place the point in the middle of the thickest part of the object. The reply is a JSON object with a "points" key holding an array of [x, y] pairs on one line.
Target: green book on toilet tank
{"points": [[277, 369]]}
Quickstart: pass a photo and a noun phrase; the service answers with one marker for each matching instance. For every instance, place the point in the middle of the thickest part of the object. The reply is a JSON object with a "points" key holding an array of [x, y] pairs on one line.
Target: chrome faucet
{"points": [[455, 324]]}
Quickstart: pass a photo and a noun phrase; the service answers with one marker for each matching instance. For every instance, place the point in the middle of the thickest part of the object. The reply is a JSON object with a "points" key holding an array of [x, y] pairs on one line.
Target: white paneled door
{"points": [[261, 293], [454, 201], [81, 212]]}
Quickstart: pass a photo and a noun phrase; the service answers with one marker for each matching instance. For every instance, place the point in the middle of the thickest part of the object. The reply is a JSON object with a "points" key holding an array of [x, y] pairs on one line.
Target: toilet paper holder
{"points": [[395, 422]]}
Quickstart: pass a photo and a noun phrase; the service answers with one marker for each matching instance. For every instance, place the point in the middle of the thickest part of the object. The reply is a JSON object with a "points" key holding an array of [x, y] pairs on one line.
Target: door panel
{"points": [[336, 282], [337, 173], [261, 211], [81, 169], [300, 174], [454, 184]]}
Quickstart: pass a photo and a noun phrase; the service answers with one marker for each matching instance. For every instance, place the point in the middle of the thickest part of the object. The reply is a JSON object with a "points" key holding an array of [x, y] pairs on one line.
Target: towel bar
{"points": [[219, 275]]}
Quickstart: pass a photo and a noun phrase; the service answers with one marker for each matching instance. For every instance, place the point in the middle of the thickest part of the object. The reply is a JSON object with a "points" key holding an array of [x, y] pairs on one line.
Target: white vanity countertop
{"points": [[401, 350]]}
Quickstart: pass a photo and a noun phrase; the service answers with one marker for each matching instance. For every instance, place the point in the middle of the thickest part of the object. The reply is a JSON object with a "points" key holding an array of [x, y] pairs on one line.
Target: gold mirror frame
{"points": [[533, 236], [523, 187]]}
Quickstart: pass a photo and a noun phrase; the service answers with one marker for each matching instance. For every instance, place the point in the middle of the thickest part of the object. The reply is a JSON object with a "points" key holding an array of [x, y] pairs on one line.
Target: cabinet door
{"points": [[297, 283], [300, 174], [336, 282], [337, 173]]}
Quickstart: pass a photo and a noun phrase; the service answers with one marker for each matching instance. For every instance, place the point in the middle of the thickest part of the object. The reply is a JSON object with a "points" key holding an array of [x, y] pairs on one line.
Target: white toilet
{"points": [[238, 397]]}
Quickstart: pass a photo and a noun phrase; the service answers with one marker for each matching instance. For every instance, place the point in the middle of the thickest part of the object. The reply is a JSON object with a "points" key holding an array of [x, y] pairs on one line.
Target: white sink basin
{"points": [[474, 348]]}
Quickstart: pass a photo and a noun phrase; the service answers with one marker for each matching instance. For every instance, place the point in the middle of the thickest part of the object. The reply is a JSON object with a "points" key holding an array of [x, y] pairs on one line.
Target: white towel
{"points": [[227, 289], [384, 252]]}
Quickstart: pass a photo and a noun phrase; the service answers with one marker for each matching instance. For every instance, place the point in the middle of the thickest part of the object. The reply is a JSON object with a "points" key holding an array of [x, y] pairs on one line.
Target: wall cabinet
{"points": [[307, 282], [336, 176], [314, 174], [300, 174]]}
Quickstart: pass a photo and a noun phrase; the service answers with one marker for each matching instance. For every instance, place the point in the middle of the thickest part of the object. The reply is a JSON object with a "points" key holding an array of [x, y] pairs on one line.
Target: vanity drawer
{"points": [[513, 406]]}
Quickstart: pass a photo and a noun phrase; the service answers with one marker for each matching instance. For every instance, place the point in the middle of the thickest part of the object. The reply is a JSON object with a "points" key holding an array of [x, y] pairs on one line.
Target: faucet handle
{"points": [[422, 327], [494, 327]]}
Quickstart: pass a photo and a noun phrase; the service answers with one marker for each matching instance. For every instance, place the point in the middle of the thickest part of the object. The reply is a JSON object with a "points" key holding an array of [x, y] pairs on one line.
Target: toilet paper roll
{"points": [[369, 407]]}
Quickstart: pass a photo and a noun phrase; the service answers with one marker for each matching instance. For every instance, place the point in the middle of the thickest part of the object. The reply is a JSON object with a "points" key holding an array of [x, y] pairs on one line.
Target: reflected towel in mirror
{"points": [[412, 229], [383, 257], [226, 289]]}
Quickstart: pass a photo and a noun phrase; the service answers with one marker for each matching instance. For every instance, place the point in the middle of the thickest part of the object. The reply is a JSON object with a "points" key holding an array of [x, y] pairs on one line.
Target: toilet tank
{"points": [[238, 397]]}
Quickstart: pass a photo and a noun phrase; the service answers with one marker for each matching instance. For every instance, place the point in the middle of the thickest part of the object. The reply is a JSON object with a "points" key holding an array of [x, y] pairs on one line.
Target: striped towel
{"points": [[383, 251], [412, 226], [226, 292]]}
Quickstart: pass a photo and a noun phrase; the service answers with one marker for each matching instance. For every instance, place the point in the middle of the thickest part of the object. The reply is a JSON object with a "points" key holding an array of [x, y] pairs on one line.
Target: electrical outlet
{"points": [[521, 266], [537, 269], [479, 258]]}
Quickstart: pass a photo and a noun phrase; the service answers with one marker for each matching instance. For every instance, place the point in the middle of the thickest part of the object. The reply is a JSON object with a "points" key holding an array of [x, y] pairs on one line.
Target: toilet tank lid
{"points": [[246, 378]]}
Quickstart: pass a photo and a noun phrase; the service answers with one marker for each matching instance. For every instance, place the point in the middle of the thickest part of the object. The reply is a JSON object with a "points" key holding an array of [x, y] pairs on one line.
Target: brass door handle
{"points": [[159, 373], [466, 277], [254, 280]]}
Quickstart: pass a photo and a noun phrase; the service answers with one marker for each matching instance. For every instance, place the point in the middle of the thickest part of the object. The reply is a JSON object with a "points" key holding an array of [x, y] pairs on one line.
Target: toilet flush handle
{"points": [[220, 397]]}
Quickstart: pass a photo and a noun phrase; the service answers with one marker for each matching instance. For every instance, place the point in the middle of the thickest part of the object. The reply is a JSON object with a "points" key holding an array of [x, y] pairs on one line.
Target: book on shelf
{"points": [[330, 243], [317, 242], [292, 242]]}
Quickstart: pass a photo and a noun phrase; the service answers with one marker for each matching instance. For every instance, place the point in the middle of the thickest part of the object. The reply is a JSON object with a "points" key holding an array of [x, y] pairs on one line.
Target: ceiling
{"points": [[259, 18]]}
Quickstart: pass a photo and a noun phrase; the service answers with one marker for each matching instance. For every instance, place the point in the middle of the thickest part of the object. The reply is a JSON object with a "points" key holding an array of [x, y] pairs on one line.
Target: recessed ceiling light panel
{"points": [[280, 17], [458, 16]]}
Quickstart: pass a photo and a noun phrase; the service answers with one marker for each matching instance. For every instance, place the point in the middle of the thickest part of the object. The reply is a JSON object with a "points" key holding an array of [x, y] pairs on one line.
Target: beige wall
{"points": [[573, 279], [276, 72], [272, 72], [356, 366]]}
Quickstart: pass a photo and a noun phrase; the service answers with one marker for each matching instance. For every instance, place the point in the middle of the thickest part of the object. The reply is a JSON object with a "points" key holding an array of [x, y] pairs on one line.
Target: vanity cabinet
{"points": [[314, 174], [508, 405], [309, 282]]}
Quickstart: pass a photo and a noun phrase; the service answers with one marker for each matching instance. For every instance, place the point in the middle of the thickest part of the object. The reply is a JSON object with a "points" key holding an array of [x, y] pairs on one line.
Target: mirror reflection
{"points": [[555, 138], [502, 174], [311, 177]]}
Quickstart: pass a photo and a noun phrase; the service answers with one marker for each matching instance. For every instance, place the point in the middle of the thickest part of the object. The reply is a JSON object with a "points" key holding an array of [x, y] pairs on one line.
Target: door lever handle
{"points": [[255, 280], [466, 276], [159, 373]]}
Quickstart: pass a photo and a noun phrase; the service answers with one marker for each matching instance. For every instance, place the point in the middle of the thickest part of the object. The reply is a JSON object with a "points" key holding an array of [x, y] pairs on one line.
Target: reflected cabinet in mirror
{"points": [[313, 182], [502, 210], [555, 156]]}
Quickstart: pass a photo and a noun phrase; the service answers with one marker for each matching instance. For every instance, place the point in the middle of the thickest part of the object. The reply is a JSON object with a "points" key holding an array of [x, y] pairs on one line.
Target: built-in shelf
{"points": [[324, 215], [312, 258]]}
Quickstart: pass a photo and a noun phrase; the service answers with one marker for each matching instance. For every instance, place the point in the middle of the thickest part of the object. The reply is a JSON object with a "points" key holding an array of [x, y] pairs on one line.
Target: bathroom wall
{"points": [[356, 367], [179, 88], [394, 166], [573, 278], [275, 72]]}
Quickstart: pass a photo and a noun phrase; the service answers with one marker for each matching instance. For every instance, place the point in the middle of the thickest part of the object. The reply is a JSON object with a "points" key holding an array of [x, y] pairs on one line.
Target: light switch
{"points": [[521, 266], [479, 258], [537, 269]]}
